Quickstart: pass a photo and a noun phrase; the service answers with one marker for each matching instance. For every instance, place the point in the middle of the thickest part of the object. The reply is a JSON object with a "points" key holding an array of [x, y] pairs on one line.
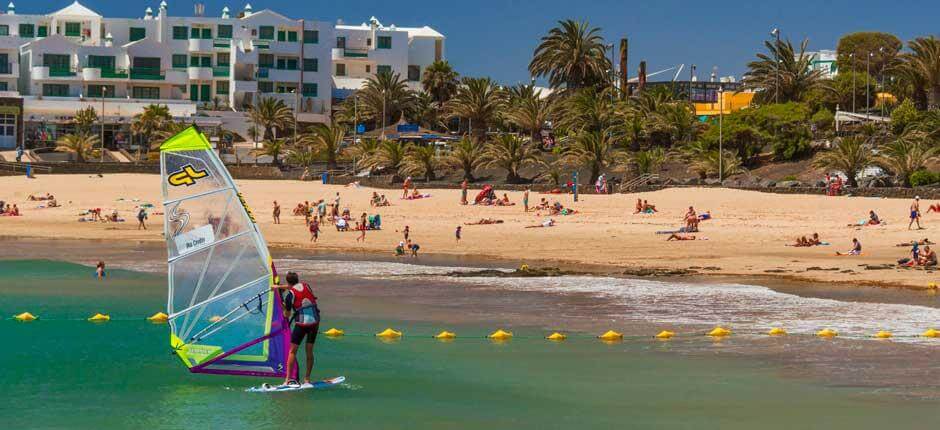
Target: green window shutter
{"points": [[193, 93], [101, 61], [221, 87], [179, 61], [266, 32], [310, 90], [292, 64], [311, 36], [180, 33], [194, 61], [138, 33], [383, 68], [281, 36], [205, 61], [146, 93], [4, 30], [291, 36], [311, 65], [265, 60], [194, 33], [57, 61], [4, 86], [384, 42], [43, 31], [55, 90], [206, 33], [205, 92], [27, 30], [225, 31], [73, 29], [222, 59], [265, 87]]}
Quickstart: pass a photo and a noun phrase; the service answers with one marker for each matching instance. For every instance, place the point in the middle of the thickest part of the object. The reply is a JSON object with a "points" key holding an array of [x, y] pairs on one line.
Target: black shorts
{"points": [[299, 332]]}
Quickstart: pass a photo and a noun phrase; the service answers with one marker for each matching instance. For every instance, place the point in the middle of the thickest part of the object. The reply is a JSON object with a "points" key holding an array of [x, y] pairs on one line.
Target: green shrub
{"points": [[789, 178], [924, 177]]}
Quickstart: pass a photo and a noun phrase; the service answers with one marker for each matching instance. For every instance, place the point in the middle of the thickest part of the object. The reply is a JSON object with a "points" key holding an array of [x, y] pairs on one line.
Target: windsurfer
{"points": [[300, 306]]}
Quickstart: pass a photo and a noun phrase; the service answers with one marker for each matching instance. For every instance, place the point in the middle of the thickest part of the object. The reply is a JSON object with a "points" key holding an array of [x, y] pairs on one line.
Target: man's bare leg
{"points": [[308, 348]]}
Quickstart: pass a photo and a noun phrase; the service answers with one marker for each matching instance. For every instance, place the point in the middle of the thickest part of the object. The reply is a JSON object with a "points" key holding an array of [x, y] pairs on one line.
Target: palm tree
{"points": [[646, 162], [388, 156], [150, 120], [923, 65], [384, 92], [440, 80], [421, 160], [677, 121], [510, 153], [592, 149], [466, 155], [588, 109], [302, 154], [84, 118], [850, 156], [572, 55], [273, 148], [82, 144], [782, 72], [271, 115], [166, 131], [529, 111], [906, 155], [480, 101], [707, 164], [426, 112], [363, 151], [325, 140]]}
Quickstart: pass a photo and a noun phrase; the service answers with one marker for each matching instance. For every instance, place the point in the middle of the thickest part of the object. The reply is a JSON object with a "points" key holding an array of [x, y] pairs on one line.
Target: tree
{"points": [[274, 148], [529, 111], [738, 135], [426, 112], [480, 101], [303, 153], [389, 156], [166, 131], [388, 93], [840, 92], [510, 153], [712, 163], [84, 119], [854, 48], [326, 141], [272, 116], [790, 79], [646, 162], [593, 150], [440, 81], [572, 55], [421, 160], [851, 155], [466, 155], [922, 65], [588, 109], [152, 119], [906, 155], [676, 121], [363, 151], [82, 144]]}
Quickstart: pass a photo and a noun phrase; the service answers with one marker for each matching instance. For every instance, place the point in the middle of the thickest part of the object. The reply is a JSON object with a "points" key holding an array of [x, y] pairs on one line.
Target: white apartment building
{"points": [[824, 61], [60, 62], [364, 50]]}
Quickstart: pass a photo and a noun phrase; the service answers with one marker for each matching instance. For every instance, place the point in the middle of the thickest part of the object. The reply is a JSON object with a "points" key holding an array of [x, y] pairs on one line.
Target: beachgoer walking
{"points": [[314, 231], [463, 192], [457, 233], [405, 187], [525, 199], [362, 231], [141, 217], [277, 213], [406, 232], [915, 213], [300, 305]]}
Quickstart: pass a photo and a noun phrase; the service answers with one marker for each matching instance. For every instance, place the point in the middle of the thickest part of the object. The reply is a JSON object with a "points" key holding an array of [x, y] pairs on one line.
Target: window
{"points": [[57, 61], [287, 64], [265, 87], [368, 68], [225, 31], [8, 123], [100, 91], [206, 33], [27, 30], [138, 33], [385, 42], [73, 29], [102, 62], [414, 73], [281, 36], [369, 42], [43, 31], [179, 61], [146, 93], [4, 30], [311, 65], [222, 59], [266, 60], [285, 88], [383, 68], [341, 42], [3, 86], [194, 92], [266, 32], [200, 61], [311, 36], [291, 36], [340, 69], [55, 90], [147, 63], [221, 87], [309, 90], [180, 33], [194, 33]]}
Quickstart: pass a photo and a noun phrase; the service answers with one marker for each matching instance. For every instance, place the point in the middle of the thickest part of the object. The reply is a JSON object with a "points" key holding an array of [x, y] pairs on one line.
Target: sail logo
{"points": [[194, 239], [186, 176], [251, 216]]}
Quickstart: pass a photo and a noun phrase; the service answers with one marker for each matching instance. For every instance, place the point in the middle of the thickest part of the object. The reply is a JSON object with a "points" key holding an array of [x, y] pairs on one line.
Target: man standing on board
{"points": [[300, 307]]}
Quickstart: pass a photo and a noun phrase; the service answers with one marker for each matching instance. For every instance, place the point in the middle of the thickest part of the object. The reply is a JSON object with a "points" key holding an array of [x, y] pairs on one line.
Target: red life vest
{"points": [[304, 314]]}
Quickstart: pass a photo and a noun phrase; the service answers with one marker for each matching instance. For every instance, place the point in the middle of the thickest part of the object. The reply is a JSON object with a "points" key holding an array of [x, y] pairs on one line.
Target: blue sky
{"points": [[496, 37]]}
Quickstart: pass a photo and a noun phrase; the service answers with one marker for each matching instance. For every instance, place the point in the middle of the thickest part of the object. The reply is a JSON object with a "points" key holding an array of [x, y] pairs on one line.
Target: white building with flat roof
{"points": [[825, 61]]}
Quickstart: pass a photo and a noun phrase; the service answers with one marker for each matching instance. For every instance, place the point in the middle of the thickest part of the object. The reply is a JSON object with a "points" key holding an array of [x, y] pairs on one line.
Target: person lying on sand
{"points": [[677, 236], [35, 198], [547, 223], [804, 242], [856, 248], [923, 241], [485, 221], [504, 201], [934, 208]]}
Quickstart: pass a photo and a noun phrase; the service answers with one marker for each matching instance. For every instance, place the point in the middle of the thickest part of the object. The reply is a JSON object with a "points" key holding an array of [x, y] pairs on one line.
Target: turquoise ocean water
{"points": [[64, 372]]}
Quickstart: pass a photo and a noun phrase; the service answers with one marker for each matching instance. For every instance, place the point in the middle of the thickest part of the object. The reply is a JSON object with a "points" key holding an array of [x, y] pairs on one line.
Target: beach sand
{"points": [[746, 237]]}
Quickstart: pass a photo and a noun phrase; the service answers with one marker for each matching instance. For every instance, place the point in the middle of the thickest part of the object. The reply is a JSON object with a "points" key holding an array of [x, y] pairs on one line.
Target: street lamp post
{"points": [[691, 76], [721, 114], [104, 93], [852, 56], [776, 33], [867, 86], [882, 51]]}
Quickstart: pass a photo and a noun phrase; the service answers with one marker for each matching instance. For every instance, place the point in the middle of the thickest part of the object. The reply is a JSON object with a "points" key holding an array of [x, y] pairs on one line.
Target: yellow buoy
{"points": [[524, 268], [611, 336], [215, 319], [719, 332], [25, 316], [931, 333], [500, 335], [665, 334], [334, 332], [932, 286], [827, 333], [777, 331], [158, 317], [100, 318], [446, 335], [883, 334], [556, 336], [389, 334]]}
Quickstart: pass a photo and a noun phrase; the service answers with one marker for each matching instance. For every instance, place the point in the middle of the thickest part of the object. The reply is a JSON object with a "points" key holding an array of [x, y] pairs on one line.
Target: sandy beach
{"points": [[746, 237]]}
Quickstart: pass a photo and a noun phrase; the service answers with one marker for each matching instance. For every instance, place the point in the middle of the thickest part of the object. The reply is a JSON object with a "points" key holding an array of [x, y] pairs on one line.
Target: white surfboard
{"points": [[319, 385]]}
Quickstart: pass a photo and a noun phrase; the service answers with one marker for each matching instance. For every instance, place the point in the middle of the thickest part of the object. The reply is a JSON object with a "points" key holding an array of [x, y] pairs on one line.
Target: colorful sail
{"points": [[223, 316]]}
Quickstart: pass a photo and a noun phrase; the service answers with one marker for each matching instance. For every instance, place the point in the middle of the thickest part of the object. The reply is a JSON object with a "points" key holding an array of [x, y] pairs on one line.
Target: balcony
{"points": [[245, 86], [177, 77], [199, 73], [222, 43], [284, 75], [146, 74], [201, 45], [45, 73], [98, 73], [260, 44], [221, 71]]}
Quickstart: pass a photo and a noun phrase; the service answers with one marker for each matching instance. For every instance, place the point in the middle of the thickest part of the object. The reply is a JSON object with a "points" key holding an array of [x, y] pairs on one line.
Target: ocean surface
{"points": [[64, 372]]}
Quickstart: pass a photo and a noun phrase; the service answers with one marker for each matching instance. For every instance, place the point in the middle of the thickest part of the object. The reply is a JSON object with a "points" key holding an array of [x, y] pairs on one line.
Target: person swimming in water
{"points": [[99, 270]]}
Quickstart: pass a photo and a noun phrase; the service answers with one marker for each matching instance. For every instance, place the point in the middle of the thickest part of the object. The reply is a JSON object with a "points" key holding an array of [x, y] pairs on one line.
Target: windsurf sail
{"points": [[224, 317]]}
